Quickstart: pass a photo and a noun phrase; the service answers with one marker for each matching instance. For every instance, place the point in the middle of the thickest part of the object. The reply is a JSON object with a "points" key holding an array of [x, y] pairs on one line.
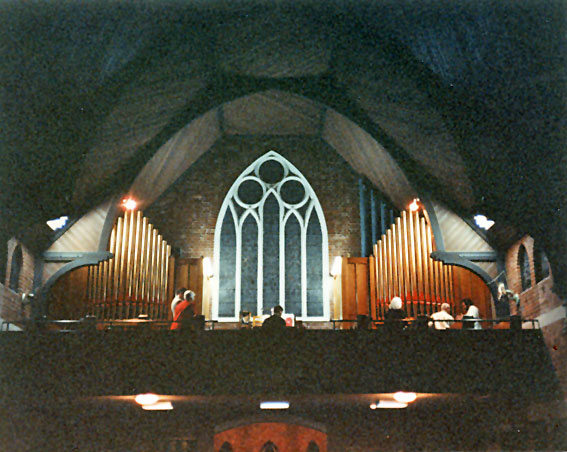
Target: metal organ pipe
{"points": [[403, 267], [135, 279]]}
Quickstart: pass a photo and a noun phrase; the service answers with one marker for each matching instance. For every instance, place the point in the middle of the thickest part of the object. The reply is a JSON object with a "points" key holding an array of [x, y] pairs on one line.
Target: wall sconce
{"points": [[208, 268], [336, 267]]}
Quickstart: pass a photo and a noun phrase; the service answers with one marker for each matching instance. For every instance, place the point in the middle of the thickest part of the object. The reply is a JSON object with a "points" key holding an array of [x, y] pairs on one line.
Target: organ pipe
{"points": [[403, 267], [135, 279]]}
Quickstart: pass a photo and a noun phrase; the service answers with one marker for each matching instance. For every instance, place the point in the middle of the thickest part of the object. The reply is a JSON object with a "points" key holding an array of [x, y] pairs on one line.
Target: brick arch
{"points": [[287, 437]]}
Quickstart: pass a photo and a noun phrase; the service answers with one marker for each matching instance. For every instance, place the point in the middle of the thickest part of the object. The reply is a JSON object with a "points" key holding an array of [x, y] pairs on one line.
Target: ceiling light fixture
{"points": [[276, 405], [483, 222], [146, 399], [57, 223], [387, 404], [159, 406], [405, 397]]}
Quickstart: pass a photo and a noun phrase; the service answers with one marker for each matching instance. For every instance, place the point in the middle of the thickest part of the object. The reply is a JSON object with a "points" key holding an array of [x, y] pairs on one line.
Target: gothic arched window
{"points": [[541, 264], [312, 447], [226, 447], [16, 268], [269, 447], [271, 244], [524, 264]]}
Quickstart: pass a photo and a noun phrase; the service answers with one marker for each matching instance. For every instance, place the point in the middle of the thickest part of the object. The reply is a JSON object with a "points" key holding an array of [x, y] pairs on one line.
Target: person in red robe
{"points": [[184, 312]]}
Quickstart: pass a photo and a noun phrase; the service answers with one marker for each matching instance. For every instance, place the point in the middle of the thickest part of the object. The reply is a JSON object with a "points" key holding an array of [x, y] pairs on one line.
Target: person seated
{"points": [[245, 319], [184, 311], [442, 320], [395, 315], [471, 315], [275, 322], [363, 322]]}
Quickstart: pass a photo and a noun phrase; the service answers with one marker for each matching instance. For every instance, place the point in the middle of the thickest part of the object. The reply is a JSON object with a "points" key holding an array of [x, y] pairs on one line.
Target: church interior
{"points": [[340, 159]]}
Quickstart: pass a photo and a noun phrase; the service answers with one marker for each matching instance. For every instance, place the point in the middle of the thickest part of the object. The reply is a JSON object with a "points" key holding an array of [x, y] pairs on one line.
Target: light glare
{"points": [[207, 267], [414, 206], [337, 265]]}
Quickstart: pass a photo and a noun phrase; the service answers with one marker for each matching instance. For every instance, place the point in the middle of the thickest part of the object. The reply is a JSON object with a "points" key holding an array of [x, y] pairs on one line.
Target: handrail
{"points": [[512, 322], [91, 323]]}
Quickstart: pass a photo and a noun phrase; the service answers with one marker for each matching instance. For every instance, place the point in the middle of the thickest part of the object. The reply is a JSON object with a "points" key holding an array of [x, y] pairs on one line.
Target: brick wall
{"points": [[186, 213], [10, 308], [539, 301]]}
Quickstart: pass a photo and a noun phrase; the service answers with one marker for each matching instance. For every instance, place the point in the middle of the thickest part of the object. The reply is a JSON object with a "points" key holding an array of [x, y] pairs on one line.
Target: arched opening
{"points": [[16, 268], [524, 265], [271, 244]]}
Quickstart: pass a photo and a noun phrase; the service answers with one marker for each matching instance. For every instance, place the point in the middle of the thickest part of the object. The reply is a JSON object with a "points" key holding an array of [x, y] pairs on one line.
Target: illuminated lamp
{"points": [[336, 268], [160, 406], [146, 399], [414, 206], [129, 203], [405, 397], [483, 222], [208, 267], [275, 405], [388, 404]]}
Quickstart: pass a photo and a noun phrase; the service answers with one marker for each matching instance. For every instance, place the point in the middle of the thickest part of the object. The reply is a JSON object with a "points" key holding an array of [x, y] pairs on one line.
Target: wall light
{"points": [[337, 266], [208, 267], [129, 203], [275, 405], [405, 397]]}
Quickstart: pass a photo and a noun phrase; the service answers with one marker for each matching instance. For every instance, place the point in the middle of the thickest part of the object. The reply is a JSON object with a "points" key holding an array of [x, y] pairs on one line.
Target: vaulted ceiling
{"points": [[467, 98]]}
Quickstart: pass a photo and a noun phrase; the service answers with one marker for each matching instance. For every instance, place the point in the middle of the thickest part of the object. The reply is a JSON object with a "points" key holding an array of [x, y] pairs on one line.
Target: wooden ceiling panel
{"points": [[367, 157], [272, 113]]}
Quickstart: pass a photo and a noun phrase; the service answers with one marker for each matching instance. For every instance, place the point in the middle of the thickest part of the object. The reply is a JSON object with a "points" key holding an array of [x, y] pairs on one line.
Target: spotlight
{"points": [[414, 206], [158, 406], [129, 203]]}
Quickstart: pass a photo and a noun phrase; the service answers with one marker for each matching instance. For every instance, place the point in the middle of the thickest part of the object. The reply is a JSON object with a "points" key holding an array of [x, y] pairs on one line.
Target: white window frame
{"points": [[286, 210]]}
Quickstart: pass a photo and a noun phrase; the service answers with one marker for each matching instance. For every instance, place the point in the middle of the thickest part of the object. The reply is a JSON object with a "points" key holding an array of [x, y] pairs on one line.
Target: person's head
{"points": [[396, 303], [189, 295], [446, 307], [278, 310], [181, 292], [467, 303]]}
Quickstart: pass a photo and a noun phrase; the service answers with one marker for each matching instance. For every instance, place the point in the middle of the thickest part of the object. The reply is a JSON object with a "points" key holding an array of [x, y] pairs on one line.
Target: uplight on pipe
{"points": [[274, 405], [414, 206], [129, 203]]}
